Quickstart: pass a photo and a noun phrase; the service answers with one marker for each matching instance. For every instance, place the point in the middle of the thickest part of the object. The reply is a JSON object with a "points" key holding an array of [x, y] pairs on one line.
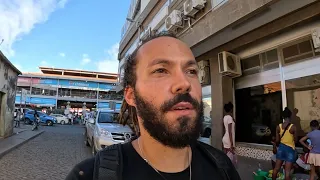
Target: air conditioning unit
{"points": [[204, 72], [145, 34], [316, 38], [191, 7], [174, 20], [229, 64]]}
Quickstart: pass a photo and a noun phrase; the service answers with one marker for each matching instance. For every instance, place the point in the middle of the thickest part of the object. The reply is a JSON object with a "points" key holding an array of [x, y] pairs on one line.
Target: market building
{"points": [[56, 88], [8, 83], [262, 55]]}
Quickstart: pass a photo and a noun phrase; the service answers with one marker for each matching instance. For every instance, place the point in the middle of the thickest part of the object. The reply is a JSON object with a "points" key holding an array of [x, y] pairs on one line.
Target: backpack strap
{"points": [[221, 160], [108, 163]]}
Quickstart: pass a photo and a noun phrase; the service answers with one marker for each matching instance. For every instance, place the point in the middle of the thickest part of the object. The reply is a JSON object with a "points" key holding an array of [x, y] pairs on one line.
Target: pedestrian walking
{"points": [[163, 98], [285, 140], [314, 155], [228, 139]]}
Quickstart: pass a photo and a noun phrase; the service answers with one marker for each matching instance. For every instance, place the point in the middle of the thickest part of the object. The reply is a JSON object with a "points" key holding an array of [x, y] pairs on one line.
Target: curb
{"points": [[19, 144]]}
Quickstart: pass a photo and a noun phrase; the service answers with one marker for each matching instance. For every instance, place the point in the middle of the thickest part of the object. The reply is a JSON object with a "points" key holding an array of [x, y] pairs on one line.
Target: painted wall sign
{"points": [[104, 105], [36, 100], [63, 83]]}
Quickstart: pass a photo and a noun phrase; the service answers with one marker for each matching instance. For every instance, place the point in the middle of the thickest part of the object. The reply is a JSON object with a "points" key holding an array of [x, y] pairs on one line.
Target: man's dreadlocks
{"points": [[128, 114]]}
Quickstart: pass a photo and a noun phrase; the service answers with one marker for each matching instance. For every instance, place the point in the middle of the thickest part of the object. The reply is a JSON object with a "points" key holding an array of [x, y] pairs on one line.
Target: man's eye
{"points": [[160, 71], [192, 71]]}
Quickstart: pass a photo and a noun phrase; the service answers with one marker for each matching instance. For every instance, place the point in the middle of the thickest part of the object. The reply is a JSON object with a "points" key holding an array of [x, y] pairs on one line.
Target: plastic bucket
{"points": [[260, 175]]}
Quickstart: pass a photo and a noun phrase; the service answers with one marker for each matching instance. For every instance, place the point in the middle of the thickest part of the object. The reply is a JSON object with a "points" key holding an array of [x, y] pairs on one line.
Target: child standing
{"points": [[314, 156]]}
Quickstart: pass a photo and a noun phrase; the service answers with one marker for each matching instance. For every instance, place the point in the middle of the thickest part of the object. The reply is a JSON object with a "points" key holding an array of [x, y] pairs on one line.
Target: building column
{"points": [[57, 94], [221, 93]]}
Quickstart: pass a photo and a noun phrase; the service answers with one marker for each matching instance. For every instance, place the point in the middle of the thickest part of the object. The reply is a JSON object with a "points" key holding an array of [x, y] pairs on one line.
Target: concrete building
{"points": [[8, 83], [55, 88], [262, 55]]}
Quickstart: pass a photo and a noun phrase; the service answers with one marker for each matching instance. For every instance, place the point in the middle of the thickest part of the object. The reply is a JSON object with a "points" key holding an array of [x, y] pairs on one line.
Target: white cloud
{"points": [[23, 69], [110, 63], [85, 59], [18, 18], [62, 54], [44, 63]]}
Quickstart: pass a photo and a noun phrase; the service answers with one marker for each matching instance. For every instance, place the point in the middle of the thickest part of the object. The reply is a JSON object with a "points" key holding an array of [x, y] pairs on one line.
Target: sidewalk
{"points": [[20, 136], [246, 167]]}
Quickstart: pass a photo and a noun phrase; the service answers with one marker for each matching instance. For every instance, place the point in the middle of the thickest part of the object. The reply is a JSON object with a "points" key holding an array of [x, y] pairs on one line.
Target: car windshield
{"points": [[107, 117]]}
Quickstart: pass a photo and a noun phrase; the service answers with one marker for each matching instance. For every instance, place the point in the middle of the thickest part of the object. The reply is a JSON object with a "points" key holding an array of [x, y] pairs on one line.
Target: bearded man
{"points": [[163, 101]]}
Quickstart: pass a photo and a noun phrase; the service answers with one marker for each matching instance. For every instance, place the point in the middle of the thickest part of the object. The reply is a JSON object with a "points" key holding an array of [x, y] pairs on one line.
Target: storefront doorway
{"points": [[258, 112]]}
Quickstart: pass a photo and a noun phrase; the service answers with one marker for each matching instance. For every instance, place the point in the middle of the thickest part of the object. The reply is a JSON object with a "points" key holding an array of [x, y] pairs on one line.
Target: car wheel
{"points": [[87, 142], [62, 122], [49, 123], [26, 121], [93, 148]]}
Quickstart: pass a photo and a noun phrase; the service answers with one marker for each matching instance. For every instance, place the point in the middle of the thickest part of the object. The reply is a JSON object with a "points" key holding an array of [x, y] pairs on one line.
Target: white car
{"points": [[61, 119], [105, 130]]}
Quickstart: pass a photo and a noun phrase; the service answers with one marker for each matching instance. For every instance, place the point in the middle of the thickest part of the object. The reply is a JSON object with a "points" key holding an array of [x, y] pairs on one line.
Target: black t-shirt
{"points": [[134, 167]]}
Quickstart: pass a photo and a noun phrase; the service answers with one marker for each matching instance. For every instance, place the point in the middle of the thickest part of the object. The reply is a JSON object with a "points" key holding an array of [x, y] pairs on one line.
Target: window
{"points": [[64, 92], [298, 51], [261, 62], [30, 112], [19, 89], [251, 62], [106, 117], [44, 91], [270, 59], [111, 95]]}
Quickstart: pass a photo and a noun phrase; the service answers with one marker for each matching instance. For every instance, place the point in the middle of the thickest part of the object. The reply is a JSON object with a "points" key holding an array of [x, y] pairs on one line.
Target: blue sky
{"points": [[75, 34]]}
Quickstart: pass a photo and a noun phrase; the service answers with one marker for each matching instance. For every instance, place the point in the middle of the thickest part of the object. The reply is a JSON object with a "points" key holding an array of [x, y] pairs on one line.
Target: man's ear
{"points": [[129, 96]]}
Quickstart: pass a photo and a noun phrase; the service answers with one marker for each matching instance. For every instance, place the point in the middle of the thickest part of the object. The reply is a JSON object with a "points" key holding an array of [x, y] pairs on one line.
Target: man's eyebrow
{"points": [[191, 63], [159, 61], [167, 62]]}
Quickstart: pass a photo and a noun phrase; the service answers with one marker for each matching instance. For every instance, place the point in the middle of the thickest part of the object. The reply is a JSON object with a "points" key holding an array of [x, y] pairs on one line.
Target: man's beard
{"points": [[185, 133]]}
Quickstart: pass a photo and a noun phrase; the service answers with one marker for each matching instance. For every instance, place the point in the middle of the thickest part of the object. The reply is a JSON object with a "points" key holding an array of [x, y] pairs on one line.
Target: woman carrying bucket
{"points": [[285, 140]]}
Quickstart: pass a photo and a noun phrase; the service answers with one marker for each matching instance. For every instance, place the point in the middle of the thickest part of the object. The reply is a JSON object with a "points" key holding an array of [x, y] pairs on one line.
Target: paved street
{"points": [[48, 156], [52, 155]]}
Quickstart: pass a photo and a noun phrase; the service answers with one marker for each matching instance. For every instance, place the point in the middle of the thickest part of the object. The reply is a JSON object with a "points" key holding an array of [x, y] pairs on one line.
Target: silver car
{"points": [[104, 130]]}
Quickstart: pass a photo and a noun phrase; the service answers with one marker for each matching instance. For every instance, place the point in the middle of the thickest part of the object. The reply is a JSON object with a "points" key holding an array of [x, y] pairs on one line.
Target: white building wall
{"points": [[8, 82]]}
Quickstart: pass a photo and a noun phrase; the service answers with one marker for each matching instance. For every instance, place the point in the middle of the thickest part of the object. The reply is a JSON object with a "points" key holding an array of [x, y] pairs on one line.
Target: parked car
{"points": [[104, 130], [44, 118], [61, 119]]}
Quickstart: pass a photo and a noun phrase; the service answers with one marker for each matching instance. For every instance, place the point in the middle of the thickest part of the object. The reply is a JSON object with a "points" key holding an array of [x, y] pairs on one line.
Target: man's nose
{"points": [[181, 84]]}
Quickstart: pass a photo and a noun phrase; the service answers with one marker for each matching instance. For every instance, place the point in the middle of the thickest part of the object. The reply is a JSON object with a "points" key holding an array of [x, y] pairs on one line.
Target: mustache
{"points": [[167, 106]]}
